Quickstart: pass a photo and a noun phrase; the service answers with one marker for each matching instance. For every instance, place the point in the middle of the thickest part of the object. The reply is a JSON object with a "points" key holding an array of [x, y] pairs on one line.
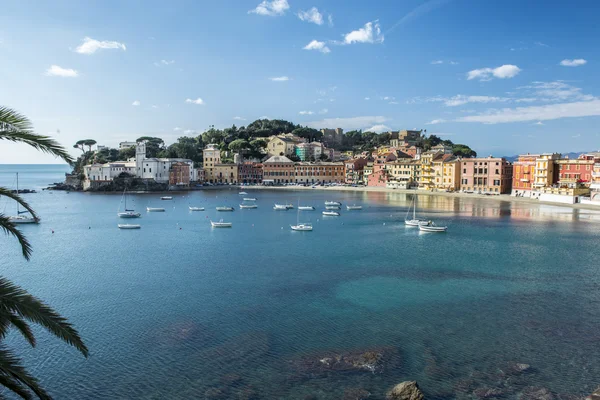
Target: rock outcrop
{"points": [[594, 396], [408, 390]]}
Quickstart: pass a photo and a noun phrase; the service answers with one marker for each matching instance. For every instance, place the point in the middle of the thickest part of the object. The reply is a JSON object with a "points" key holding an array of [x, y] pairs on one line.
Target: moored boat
{"points": [[306, 208], [414, 221], [221, 224], [196, 208], [333, 203], [280, 207], [331, 213], [353, 207], [155, 209], [225, 208], [249, 198], [432, 227], [129, 226], [248, 206], [21, 217], [167, 198], [242, 193], [302, 227], [332, 207]]}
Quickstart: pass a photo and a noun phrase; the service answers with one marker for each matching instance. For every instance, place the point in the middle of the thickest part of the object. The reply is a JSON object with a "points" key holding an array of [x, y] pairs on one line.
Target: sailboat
{"points": [[127, 213], [21, 218], [414, 221], [305, 226]]}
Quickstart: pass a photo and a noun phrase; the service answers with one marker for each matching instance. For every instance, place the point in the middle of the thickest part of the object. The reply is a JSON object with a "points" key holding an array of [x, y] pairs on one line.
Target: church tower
{"points": [[140, 156]]}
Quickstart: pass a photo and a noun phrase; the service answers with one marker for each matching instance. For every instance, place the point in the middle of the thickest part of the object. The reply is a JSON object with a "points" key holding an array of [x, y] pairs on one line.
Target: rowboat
{"points": [[248, 206], [221, 224], [354, 207], [155, 209], [331, 213], [432, 227], [129, 226], [167, 198], [196, 208], [225, 208]]}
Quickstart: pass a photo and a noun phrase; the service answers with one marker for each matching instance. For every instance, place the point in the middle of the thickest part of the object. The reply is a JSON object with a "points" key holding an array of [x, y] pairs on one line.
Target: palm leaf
{"points": [[18, 301], [10, 366], [10, 229], [8, 320], [14, 386], [17, 128], [15, 196]]}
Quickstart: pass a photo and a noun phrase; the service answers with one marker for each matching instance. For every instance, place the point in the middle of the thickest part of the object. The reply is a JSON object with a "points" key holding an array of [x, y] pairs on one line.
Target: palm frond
{"points": [[15, 386], [16, 197], [20, 302], [24, 328], [16, 127], [10, 229], [11, 366]]}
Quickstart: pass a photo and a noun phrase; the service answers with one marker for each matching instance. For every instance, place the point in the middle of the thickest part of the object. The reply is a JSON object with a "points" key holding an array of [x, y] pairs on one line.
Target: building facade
{"points": [[486, 175], [354, 170], [250, 172], [446, 171], [283, 145], [179, 175], [402, 173], [576, 172], [226, 173], [545, 173], [318, 172], [523, 174], [332, 137], [278, 170], [158, 169], [211, 157]]}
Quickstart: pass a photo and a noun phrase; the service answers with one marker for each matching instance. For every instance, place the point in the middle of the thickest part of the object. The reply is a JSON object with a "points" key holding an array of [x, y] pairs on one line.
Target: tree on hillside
{"points": [[153, 145], [18, 308], [89, 143], [239, 145], [185, 147], [310, 134], [80, 145], [274, 126], [213, 136], [463, 150]]}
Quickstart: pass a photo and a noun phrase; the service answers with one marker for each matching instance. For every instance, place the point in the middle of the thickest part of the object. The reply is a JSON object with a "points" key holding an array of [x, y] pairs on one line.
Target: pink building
{"points": [[379, 177], [486, 175]]}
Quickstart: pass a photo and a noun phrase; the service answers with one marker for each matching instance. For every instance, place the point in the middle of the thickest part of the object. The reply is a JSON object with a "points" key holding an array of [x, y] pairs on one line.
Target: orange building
{"points": [[278, 170], [523, 173], [319, 172], [576, 171]]}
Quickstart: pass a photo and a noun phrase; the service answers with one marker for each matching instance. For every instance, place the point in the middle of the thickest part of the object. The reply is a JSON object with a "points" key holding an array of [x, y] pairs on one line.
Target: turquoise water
{"points": [[179, 310]]}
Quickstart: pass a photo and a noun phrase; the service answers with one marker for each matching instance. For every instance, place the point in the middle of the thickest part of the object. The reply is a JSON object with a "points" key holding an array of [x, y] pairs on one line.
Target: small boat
{"points": [[196, 208], [129, 226], [249, 199], [302, 227], [414, 221], [289, 206], [127, 213], [354, 207], [225, 208], [333, 203], [280, 207], [167, 198], [242, 193], [432, 227], [332, 207], [221, 224], [20, 218], [331, 213], [306, 208], [248, 206], [155, 209]]}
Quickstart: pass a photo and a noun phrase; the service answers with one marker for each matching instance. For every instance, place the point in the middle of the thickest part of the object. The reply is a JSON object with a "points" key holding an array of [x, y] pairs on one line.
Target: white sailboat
{"points": [[304, 227], [280, 207], [248, 206], [414, 221], [21, 218], [333, 203], [430, 226], [128, 213]]}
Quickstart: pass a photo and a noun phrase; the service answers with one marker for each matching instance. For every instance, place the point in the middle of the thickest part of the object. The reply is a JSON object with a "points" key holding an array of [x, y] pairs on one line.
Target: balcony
{"points": [[524, 180]]}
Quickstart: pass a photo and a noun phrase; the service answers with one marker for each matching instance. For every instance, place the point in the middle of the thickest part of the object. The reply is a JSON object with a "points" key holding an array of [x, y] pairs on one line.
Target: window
{"points": [[496, 182], [144, 169], [497, 171], [464, 170], [150, 169]]}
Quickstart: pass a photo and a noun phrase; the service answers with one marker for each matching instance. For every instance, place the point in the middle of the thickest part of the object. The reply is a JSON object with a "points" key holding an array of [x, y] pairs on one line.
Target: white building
{"points": [[126, 145], [157, 169]]}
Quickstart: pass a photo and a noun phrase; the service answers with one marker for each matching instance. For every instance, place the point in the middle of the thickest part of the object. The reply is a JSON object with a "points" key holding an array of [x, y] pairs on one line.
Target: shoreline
{"points": [[501, 197]]}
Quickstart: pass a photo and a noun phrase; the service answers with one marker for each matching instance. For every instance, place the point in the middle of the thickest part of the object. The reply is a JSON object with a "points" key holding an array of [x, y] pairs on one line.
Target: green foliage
{"points": [[185, 147], [312, 135], [239, 145], [154, 145], [463, 150]]}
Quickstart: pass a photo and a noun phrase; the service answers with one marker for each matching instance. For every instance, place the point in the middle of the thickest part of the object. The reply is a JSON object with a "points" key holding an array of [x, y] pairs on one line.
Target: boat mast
{"points": [[415, 208], [18, 193]]}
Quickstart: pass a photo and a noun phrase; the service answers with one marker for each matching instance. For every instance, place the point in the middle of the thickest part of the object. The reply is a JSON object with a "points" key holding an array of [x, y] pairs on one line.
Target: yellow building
{"points": [[446, 171], [283, 145], [402, 172], [226, 173], [544, 175], [426, 178], [211, 156]]}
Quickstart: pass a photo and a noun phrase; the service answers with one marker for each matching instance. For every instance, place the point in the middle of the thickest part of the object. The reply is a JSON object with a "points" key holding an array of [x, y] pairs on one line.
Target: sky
{"points": [[505, 77]]}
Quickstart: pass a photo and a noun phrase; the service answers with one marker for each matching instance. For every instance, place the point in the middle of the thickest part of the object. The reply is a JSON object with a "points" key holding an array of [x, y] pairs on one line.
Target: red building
{"points": [[576, 171], [179, 174], [250, 172], [354, 170]]}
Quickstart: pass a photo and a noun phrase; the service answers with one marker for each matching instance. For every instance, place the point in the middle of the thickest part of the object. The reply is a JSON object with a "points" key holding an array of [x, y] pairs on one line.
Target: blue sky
{"points": [[504, 77]]}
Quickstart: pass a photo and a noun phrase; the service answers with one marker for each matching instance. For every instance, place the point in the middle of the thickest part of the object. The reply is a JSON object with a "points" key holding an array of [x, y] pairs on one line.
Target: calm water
{"points": [[178, 310]]}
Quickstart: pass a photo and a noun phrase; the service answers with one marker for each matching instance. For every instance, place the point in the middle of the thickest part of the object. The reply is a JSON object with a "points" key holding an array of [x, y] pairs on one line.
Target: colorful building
{"points": [[278, 170], [179, 175], [545, 173], [319, 172], [250, 172], [523, 172], [225, 173], [426, 176], [283, 145], [354, 170], [595, 184], [309, 151], [402, 173], [486, 175], [379, 177], [446, 171], [211, 156], [577, 171]]}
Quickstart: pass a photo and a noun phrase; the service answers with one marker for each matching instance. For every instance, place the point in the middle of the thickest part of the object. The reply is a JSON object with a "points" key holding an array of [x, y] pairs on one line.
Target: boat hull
{"points": [[150, 209], [243, 206], [224, 208], [414, 222], [302, 228], [429, 228], [350, 208], [129, 215], [23, 220], [128, 226], [331, 213], [196, 208], [305, 208]]}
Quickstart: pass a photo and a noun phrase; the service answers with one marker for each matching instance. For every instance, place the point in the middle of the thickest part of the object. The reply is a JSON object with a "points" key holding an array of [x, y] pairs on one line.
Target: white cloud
{"points": [[90, 46], [189, 131], [460, 100], [198, 101], [306, 113], [313, 15], [541, 44], [319, 46], [177, 129], [437, 62], [573, 63], [553, 91], [370, 33], [367, 98], [272, 8], [330, 20], [393, 102], [280, 79], [378, 128], [350, 123], [55, 70], [154, 106], [136, 103], [239, 118], [388, 98], [453, 62], [436, 121], [539, 123], [537, 113], [486, 74], [323, 111], [164, 62]]}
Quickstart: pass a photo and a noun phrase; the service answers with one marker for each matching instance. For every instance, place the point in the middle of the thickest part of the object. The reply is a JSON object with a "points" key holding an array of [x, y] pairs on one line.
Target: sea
{"points": [[506, 304]]}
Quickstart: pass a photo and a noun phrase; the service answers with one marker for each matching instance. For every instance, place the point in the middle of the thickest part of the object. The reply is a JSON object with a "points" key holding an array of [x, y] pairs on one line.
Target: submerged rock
{"points": [[356, 394], [488, 393], [408, 390], [536, 393]]}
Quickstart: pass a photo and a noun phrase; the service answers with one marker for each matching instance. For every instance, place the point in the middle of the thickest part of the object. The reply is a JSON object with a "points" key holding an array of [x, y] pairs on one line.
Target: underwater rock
{"points": [[356, 394], [488, 393], [215, 394], [536, 393], [408, 390]]}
